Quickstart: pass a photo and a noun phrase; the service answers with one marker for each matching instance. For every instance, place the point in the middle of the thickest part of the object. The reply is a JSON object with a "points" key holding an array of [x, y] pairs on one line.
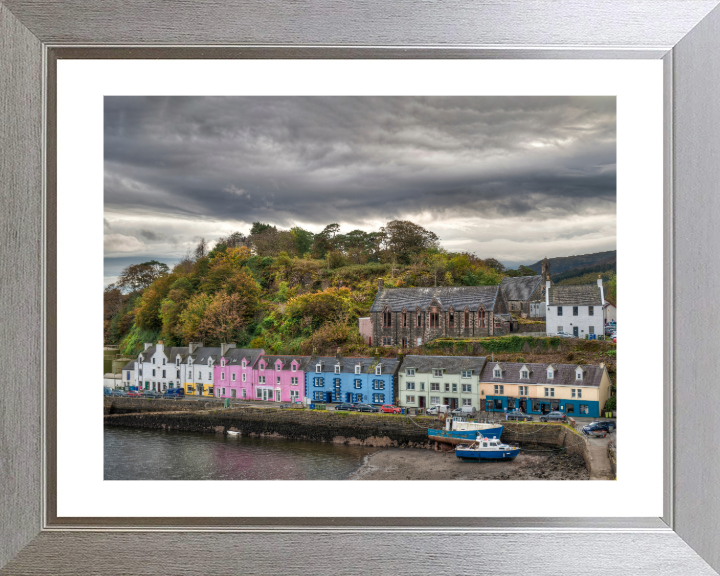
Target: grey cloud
{"points": [[352, 159]]}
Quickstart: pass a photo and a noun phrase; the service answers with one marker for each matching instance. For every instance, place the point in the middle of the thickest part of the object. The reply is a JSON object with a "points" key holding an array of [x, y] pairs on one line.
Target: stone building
{"points": [[521, 291], [409, 317]]}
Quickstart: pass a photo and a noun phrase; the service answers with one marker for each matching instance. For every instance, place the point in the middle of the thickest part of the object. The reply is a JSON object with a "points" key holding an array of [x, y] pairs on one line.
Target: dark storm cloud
{"points": [[325, 159]]}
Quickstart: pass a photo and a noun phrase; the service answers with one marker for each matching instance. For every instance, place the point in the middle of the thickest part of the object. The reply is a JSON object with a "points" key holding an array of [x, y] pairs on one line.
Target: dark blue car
{"points": [[174, 393], [599, 428]]}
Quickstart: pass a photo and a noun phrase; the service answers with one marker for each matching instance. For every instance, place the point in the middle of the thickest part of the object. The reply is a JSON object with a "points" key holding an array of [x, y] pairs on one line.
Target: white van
{"points": [[438, 408], [463, 411]]}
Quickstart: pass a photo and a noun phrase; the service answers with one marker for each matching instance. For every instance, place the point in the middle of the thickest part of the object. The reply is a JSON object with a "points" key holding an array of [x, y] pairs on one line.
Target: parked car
{"points": [[151, 394], [390, 409], [133, 393], [344, 406], [117, 393], [564, 335], [174, 393], [599, 428], [107, 391], [438, 408], [614, 338], [610, 328], [519, 415], [367, 408], [554, 417], [463, 411]]}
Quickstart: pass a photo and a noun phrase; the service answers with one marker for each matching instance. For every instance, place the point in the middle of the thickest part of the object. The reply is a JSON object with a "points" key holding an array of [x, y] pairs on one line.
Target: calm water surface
{"points": [[139, 454]]}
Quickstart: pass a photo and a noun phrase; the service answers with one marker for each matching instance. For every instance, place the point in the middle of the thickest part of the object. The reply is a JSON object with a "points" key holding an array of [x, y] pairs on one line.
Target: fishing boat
{"points": [[486, 449], [459, 430], [233, 433]]}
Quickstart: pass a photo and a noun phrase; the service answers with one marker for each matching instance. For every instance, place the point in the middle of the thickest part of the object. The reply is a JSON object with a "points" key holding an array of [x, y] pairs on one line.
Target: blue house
{"points": [[355, 380]]}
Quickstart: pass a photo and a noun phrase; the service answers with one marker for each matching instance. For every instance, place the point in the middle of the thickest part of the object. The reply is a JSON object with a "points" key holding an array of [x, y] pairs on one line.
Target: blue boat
{"points": [[458, 430], [486, 449]]}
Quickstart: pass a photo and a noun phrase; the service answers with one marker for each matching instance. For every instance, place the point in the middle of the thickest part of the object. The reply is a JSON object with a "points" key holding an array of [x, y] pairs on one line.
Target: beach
{"points": [[418, 464]]}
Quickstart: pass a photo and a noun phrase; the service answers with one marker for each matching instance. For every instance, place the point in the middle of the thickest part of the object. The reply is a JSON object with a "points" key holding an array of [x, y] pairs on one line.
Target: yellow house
{"points": [[577, 390]]}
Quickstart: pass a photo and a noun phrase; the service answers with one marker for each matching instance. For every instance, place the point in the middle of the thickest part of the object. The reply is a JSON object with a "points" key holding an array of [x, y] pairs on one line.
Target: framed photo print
{"points": [[355, 276]]}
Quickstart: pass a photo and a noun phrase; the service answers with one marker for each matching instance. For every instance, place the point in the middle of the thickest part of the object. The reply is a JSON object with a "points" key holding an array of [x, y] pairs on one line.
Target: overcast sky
{"points": [[515, 178]]}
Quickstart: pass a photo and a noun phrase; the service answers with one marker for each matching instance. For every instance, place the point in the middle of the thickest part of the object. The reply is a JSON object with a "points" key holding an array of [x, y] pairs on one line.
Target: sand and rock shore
{"points": [[417, 464]]}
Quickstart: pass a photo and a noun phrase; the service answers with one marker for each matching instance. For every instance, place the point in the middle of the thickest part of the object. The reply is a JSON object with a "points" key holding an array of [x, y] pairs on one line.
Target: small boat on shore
{"points": [[458, 430], [486, 449], [233, 433]]}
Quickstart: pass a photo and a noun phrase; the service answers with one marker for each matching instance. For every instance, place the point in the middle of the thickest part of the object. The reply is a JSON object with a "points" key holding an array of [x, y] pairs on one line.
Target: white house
{"points": [[155, 368], [577, 309], [128, 374], [610, 311]]}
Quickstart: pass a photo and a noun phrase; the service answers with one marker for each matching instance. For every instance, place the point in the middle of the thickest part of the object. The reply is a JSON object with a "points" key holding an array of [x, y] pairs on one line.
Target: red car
{"points": [[134, 394], [390, 409]]}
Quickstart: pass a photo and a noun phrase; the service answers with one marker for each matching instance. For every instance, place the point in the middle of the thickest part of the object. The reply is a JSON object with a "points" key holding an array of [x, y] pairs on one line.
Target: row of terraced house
{"points": [[412, 381]]}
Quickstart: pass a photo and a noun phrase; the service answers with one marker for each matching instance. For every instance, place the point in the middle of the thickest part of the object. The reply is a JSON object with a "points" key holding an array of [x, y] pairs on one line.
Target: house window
{"points": [[222, 363], [262, 366], [550, 374], [410, 385], [467, 319], [378, 369], [591, 312], [209, 375], [592, 328], [434, 320], [560, 329], [481, 317], [294, 395], [222, 375], [337, 369], [559, 310], [177, 362], [318, 396], [523, 390], [357, 369], [524, 374], [467, 402], [410, 371], [317, 381], [410, 399], [434, 399], [318, 368], [153, 371], [190, 375], [549, 392], [466, 373], [404, 318], [447, 387], [378, 398], [378, 385], [497, 373], [498, 404], [387, 319], [499, 389], [294, 367], [578, 391], [294, 381], [467, 387], [128, 376], [358, 383], [244, 377], [163, 361], [452, 320], [437, 373], [575, 310], [454, 386], [435, 386], [419, 319], [244, 364], [153, 360], [578, 375], [164, 374], [261, 379], [277, 380], [584, 409]]}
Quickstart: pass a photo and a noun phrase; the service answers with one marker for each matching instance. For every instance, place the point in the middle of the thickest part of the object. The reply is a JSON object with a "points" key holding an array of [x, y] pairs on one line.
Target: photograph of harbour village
{"points": [[360, 288]]}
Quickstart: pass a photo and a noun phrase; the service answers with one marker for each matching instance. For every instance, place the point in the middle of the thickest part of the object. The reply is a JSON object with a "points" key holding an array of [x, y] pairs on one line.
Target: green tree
{"points": [[259, 228], [403, 238], [303, 239]]}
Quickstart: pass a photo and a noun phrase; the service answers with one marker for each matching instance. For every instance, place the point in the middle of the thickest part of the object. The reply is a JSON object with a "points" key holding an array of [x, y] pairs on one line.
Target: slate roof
{"points": [[564, 374], [129, 366], [450, 364], [203, 354], [519, 288], [234, 356], [287, 361], [170, 353], [456, 296], [347, 364], [575, 295], [505, 317]]}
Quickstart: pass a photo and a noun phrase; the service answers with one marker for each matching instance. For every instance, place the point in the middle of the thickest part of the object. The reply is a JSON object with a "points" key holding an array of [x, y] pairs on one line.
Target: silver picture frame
{"points": [[684, 34]]}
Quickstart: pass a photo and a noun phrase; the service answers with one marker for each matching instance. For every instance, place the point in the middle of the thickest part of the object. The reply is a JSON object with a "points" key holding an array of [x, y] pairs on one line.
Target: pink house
{"points": [[235, 372], [281, 378]]}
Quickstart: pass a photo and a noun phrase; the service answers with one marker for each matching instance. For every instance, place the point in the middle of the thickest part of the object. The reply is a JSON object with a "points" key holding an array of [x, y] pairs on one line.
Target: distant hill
{"points": [[565, 263], [605, 267]]}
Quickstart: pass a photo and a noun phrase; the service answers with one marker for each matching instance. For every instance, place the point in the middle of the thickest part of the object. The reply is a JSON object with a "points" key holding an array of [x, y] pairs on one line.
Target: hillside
{"points": [[604, 267], [563, 263]]}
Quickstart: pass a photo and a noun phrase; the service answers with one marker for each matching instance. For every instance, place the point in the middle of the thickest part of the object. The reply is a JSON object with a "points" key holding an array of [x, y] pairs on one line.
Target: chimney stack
{"points": [[194, 346], [225, 346], [599, 280], [147, 345], [381, 284]]}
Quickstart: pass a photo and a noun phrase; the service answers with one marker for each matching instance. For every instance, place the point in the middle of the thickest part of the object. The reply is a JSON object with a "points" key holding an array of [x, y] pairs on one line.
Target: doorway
{"points": [[277, 395], [523, 406], [544, 408], [199, 389], [575, 331], [421, 401]]}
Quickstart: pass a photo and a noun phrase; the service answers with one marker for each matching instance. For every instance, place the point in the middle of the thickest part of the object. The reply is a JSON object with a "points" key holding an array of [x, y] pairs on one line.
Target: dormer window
{"points": [[337, 368], [497, 373], [278, 366], [357, 369], [378, 369], [550, 374], [262, 366], [318, 368], [437, 373], [177, 361], [294, 367], [466, 373], [222, 363], [524, 374], [410, 371], [244, 365], [578, 375]]}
